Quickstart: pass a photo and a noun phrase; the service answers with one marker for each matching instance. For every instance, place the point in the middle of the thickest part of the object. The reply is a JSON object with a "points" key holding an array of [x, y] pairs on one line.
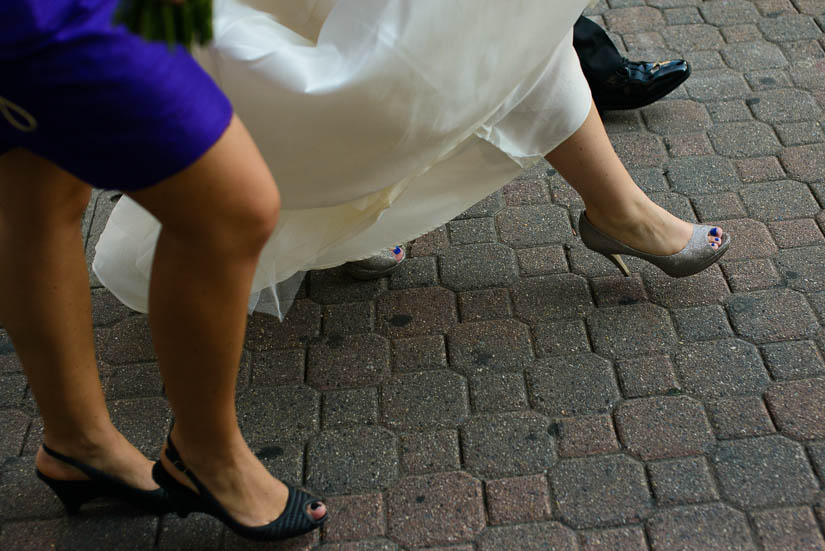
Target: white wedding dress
{"points": [[380, 120]]}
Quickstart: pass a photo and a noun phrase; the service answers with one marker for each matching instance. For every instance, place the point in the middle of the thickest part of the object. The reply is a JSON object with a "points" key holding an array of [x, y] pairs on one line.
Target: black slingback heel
{"points": [[74, 493], [294, 521]]}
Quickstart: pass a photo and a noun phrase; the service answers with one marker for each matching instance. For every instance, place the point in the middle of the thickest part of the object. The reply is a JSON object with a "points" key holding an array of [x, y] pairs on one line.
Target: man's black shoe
{"points": [[635, 84]]}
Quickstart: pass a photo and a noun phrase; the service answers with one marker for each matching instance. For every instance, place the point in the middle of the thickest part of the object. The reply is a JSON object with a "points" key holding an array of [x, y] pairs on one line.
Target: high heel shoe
{"points": [[693, 258], [294, 521], [74, 493]]}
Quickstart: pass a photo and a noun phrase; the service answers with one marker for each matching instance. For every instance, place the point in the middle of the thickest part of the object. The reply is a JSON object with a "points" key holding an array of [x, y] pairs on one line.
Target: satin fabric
{"points": [[380, 120]]}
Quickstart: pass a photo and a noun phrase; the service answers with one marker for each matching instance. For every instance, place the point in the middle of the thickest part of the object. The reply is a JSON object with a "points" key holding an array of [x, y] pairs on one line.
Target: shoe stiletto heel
{"points": [[294, 521], [74, 493], [693, 258]]}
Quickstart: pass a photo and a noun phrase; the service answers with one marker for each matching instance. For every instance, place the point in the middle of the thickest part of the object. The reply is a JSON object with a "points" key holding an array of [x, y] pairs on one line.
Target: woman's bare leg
{"points": [[216, 216], [45, 307], [613, 201]]}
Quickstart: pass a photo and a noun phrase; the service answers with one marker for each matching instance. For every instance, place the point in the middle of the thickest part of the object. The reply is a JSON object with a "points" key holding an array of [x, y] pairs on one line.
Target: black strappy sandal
{"points": [[294, 521], [74, 493]]}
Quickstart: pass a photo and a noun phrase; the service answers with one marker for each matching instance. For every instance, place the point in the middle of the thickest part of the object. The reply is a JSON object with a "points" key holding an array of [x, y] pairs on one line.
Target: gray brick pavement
{"points": [[506, 390]]}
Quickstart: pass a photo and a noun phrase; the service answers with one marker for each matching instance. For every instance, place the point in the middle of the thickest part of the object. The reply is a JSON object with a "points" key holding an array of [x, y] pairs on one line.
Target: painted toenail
{"points": [[714, 231], [315, 506]]}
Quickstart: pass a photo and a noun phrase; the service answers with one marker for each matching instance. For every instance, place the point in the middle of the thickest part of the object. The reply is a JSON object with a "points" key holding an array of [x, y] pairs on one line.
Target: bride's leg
{"points": [[216, 216], [613, 201], [45, 307]]}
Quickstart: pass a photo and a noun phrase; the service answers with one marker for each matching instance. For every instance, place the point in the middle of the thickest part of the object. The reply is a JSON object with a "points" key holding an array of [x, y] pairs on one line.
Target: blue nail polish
{"points": [[716, 239], [397, 250], [714, 231]]}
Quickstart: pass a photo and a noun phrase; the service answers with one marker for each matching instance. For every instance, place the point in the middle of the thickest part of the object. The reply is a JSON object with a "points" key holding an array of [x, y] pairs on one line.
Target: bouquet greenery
{"points": [[173, 22]]}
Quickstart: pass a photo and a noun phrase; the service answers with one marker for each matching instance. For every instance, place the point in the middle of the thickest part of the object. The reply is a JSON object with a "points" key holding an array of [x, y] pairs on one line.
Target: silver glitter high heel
{"points": [[693, 258]]}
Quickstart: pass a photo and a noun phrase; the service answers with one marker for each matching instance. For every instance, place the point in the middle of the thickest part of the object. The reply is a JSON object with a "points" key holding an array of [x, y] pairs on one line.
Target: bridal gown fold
{"points": [[379, 119]]}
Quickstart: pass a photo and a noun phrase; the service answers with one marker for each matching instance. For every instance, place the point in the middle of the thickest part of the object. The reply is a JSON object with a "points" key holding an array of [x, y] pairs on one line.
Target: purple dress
{"points": [[114, 110]]}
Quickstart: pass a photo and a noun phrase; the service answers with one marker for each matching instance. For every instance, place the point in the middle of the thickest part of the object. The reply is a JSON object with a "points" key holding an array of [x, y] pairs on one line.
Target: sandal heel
{"points": [[617, 260], [72, 493]]}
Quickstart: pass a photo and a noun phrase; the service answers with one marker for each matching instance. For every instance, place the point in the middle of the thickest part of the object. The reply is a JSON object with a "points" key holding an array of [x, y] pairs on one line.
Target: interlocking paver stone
{"points": [[278, 367], [279, 413], [508, 444], [796, 233], [785, 105], [561, 338], [718, 206], [739, 417], [335, 286], [663, 426], [349, 407], [766, 316], [793, 528], [721, 85], [501, 345], [816, 451], [716, 369], [676, 116], [781, 200], [410, 312], [572, 385], [729, 12], [518, 500], [799, 407], [478, 266], [425, 452], [646, 376], [349, 361], [529, 537], [693, 37], [13, 427], [351, 460], [200, 532], [498, 392], [682, 481], [533, 225], [626, 538], [542, 260], [523, 191], [418, 353], [355, 517], [706, 174], [763, 471], [805, 163], [586, 436], [552, 297], [435, 509], [707, 287], [472, 230], [600, 491], [31, 498], [432, 399], [751, 275], [701, 323], [485, 304], [617, 290], [634, 330], [711, 527], [753, 240], [793, 360], [744, 139], [349, 318], [803, 268]]}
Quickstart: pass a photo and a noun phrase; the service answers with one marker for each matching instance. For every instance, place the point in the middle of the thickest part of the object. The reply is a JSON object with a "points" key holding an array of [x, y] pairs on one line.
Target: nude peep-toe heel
{"points": [[693, 258]]}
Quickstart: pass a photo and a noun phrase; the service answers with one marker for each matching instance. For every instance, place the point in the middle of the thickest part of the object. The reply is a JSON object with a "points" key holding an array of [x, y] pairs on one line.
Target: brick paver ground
{"points": [[506, 390]]}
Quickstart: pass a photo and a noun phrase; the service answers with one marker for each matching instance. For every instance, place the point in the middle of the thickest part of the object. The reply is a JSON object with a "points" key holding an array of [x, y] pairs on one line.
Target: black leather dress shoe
{"points": [[635, 84]]}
